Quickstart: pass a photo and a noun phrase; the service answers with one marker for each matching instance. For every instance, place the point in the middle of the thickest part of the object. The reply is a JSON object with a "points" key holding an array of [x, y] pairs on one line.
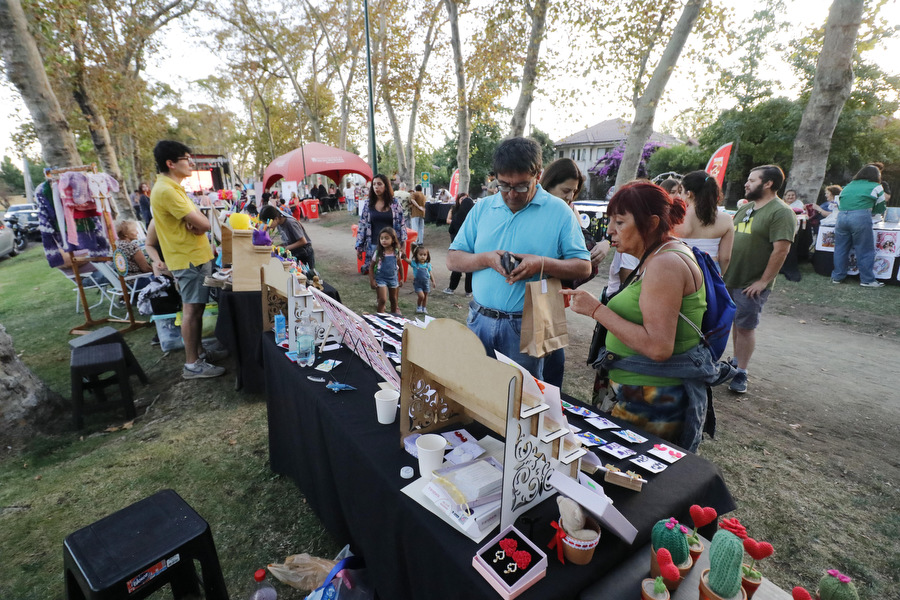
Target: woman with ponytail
{"points": [[643, 320], [705, 226]]}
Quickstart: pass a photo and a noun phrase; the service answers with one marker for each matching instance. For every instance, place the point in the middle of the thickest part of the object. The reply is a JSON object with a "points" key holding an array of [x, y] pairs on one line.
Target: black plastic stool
{"points": [[134, 552], [91, 362], [110, 335]]}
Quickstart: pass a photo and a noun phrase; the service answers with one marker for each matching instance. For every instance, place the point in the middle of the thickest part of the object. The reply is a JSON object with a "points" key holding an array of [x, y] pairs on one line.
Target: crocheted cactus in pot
{"points": [[836, 586], [725, 555], [670, 535]]}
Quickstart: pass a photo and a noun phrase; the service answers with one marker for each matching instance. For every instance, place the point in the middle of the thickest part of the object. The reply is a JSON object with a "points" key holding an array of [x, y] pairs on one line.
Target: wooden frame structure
{"points": [[440, 388], [78, 261], [287, 294]]}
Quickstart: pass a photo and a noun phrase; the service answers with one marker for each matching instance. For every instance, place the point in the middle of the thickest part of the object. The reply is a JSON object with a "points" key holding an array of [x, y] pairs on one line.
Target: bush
{"points": [[681, 159]]}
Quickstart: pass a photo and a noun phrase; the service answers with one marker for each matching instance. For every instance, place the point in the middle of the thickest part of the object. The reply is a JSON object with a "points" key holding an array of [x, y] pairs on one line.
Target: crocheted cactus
{"points": [[670, 535], [725, 555], [836, 587]]}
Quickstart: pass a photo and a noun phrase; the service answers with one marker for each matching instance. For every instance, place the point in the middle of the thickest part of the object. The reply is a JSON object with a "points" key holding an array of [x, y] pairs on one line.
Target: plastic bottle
{"points": [[264, 589], [306, 341]]}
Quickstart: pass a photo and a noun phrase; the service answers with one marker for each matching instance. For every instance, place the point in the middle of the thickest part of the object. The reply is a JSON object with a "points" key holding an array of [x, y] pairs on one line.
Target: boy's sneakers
{"points": [[739, 383], [875, 284], [201, 370], [449, 291], [214, 354]]}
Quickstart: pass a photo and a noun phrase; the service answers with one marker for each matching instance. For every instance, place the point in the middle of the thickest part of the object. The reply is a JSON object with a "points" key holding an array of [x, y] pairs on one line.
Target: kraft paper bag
{"points": [[544, 326]]}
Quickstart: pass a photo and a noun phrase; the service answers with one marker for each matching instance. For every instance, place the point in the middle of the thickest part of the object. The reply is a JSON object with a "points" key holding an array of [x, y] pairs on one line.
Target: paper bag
{"points": [[543, 319]]}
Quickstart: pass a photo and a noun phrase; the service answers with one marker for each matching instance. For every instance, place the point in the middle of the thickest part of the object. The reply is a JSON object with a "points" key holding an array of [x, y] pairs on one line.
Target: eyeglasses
{"points": [[521, 188], [187, 158], [747, 215]]}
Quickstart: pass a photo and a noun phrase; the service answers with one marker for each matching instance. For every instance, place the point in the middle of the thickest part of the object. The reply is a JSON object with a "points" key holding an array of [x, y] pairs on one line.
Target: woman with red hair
{"points": [[649, 316]]}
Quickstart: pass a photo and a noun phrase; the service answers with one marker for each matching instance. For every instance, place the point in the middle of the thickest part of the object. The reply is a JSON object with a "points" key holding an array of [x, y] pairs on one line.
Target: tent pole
{"points": [[373, 157]]}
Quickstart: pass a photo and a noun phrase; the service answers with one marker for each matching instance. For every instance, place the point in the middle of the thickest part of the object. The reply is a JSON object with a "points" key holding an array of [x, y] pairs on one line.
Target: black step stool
{"points": [[110, 335], [134, 552], [89, 363]]}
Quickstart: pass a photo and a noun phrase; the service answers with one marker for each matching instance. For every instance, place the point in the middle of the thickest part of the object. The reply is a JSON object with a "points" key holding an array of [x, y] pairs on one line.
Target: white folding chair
{"points": [[88, 282], [115, 291]]}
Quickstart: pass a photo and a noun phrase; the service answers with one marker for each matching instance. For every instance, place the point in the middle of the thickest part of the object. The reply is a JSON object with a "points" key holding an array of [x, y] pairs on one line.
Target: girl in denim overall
{"points": [[384, 274]]}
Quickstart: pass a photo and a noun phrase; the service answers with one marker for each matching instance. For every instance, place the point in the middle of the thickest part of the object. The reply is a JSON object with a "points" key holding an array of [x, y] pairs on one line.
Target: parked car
{"points": [[28, 218], [7, 241]]}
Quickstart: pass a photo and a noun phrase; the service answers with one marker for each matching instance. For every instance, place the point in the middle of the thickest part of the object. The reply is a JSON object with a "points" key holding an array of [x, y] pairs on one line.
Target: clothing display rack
{"points": [[78, 261]]}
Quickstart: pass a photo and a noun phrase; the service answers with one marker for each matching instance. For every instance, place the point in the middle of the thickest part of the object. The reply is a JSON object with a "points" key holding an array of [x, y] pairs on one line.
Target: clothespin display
{"points": [[628, 479]]}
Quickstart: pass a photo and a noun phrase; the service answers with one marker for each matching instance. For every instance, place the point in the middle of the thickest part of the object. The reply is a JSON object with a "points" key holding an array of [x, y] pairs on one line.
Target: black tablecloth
{"points": [[348, 466], [239, 327], [436, 212]]}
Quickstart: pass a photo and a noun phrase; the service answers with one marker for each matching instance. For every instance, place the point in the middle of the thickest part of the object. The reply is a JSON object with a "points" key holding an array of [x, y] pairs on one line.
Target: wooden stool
{"points": [[91, 362], [134, 552]]}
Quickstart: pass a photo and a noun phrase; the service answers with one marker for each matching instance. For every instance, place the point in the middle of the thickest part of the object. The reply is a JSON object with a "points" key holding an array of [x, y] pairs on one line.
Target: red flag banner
{"points": [[718, 162], [454, 184]]}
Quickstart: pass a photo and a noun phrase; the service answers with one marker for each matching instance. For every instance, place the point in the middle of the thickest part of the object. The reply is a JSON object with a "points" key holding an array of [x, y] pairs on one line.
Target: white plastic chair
{"points": [[88, 282]]}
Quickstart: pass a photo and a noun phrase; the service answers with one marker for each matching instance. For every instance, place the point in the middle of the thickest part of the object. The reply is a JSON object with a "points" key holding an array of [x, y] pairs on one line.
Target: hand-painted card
{"points": [[670, 455], [601, 423], [630, 436], [645, 462], [590, 439], [579, 410], [617, 450]]}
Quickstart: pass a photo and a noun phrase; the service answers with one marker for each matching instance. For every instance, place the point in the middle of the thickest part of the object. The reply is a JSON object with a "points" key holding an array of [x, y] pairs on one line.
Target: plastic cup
{"points": [[431, 454], [386, 405]]}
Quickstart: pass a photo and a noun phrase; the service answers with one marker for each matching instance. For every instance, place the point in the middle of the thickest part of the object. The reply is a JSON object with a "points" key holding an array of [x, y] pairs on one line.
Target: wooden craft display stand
{"points": [[78, 261], [245, 259], [446, 378], [287, 294]]}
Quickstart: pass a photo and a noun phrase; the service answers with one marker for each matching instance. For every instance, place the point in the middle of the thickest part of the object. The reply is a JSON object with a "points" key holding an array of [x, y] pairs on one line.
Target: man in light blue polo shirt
{"points": [[535, 228]]}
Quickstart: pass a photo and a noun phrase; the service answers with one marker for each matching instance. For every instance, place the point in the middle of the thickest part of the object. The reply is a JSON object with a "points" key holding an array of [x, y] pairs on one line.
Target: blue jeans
{"points": [[503, 335], [417, 224], [854, 230], [554, 367]]}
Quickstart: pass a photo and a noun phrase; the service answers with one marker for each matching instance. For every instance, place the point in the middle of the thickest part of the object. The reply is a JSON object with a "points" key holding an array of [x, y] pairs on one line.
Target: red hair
{"points": [[644, 200]]}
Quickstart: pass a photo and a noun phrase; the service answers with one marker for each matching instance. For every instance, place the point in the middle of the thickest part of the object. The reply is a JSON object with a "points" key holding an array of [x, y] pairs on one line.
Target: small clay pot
{"points": [[683, 570], [750, 585], [580, 552], [708, 594], [696, 550], [647, 592]]}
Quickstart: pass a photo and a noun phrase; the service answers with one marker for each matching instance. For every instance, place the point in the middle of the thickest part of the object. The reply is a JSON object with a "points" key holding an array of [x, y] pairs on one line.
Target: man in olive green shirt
{"points": [[763, 232]]}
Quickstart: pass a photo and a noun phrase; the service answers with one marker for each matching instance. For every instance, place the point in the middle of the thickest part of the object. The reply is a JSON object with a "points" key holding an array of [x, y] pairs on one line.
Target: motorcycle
{"points": [[21, 234]]}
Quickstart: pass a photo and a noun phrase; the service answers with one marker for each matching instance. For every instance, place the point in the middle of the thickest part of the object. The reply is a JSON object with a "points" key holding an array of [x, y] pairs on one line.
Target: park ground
{"points": [[809, 453]]}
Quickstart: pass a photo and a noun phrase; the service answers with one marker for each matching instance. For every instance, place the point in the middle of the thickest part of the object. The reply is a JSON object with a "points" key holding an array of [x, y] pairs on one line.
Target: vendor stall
{"points": [[887, 248], [349, 469], [436, 212]]}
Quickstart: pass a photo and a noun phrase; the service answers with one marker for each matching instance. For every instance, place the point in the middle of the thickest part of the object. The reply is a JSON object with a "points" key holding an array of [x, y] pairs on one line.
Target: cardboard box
{"points": [[494, 565]]}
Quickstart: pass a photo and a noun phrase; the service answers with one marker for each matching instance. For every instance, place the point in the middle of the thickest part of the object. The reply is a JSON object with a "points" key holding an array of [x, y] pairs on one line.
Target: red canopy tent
{"points": [[315, 159]]}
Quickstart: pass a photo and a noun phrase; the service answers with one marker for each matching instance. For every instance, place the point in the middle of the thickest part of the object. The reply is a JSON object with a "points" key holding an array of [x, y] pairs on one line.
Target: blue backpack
{"points": [[720, 308]]}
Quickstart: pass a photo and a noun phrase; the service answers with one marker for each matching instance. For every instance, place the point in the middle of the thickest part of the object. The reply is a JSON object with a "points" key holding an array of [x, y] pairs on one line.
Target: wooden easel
{"points": [[76, 261]]}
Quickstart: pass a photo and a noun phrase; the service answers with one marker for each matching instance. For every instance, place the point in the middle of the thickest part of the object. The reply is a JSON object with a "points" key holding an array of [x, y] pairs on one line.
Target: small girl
{"points": [[422, 277], [383, 276]]}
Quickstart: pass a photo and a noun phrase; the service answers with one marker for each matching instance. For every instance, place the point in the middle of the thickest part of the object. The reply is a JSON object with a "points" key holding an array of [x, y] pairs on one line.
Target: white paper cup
{"points": [[386, 405], [431, 454]]}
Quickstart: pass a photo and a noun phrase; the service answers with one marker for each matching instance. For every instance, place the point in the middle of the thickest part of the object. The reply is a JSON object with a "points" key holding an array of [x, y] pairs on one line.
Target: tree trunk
{"points": [[402, 170], [106, 153], [538, 15], [831, 88], [645, 107], [417, 95], [26, 404], [462, 106], [25, 70]]}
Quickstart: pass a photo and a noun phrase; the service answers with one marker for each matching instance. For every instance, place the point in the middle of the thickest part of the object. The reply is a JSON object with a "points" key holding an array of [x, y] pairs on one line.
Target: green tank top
{"points": [[626, 304]]}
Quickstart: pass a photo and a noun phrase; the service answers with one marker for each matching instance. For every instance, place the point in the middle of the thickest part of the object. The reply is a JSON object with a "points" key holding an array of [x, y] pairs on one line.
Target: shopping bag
{"points": [[543, 319]]}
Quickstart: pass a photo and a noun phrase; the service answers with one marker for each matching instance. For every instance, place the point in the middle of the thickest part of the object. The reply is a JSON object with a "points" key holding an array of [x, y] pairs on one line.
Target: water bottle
{"points": [[264, 589], [305, 334]]}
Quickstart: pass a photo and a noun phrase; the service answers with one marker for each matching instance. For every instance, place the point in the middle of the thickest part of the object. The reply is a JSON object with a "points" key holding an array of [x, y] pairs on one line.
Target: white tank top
{"points": [[708, 245]]}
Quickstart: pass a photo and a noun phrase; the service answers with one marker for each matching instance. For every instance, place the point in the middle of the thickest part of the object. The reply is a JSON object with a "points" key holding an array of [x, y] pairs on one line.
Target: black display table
{"points": [[348, 467], [436, 212], [239, 327]]}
